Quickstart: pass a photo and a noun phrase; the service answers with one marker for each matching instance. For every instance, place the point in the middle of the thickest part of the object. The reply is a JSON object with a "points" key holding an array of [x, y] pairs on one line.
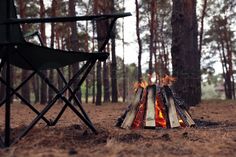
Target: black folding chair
{"points": [[15, 50]]}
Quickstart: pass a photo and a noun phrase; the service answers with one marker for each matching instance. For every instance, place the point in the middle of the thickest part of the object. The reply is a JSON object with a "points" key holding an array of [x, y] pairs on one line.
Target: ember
{"points": [[156, 105]]}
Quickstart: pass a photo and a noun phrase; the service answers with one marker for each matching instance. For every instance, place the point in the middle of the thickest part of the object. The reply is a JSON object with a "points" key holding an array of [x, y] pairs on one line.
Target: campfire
{"points": [[156, 105]]}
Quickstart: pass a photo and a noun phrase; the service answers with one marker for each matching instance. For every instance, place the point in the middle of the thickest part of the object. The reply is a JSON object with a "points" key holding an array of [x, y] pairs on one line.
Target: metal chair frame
{"points": [[83, 71]]}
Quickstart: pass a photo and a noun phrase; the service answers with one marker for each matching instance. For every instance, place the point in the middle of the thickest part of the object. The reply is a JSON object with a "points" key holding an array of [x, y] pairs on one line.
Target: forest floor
{"points": [[215, 135]]}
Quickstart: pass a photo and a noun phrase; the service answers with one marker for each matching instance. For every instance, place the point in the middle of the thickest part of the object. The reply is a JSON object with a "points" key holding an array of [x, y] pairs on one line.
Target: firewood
{"points": [[174, 121], [150, 110], [185, 116], [173, 118], [180, 107], [161, 111], [120, 120], [133, 108], [139, 117]]}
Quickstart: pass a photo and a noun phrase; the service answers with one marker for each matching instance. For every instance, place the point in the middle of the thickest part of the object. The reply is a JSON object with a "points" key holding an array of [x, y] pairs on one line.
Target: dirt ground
{"points": [[215, 135]]}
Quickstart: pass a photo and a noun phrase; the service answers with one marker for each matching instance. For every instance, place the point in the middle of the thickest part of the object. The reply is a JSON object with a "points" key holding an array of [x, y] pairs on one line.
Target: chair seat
{"points": [[43, 58]]}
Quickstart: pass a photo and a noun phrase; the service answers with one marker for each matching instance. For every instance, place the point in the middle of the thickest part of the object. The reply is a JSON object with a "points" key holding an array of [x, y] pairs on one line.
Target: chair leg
{"points": [[17, 88], [45, 110], [1, 143], [32, 124], [23, 99], [3, 61], [7, 107], [73, 96], [59, 94]]}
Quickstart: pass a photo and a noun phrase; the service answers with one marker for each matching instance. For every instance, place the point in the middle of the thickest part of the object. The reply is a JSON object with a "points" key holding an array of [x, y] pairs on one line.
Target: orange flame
{"points": [[181, 122], [168, 80], [142, 84], [138, 121], [160, 116]]}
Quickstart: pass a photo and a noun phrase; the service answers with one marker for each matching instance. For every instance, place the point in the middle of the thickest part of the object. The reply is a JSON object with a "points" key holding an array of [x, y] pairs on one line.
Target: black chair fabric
{"points": [[43, 58]]}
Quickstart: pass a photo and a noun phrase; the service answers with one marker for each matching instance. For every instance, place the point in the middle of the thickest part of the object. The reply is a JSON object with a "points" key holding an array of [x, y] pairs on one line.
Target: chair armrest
{"points": [[36, 33], [31, 34], [65, 19]]}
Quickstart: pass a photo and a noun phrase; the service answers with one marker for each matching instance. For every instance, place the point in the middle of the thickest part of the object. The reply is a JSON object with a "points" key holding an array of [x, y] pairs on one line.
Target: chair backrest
{"points": [[15, 34]]}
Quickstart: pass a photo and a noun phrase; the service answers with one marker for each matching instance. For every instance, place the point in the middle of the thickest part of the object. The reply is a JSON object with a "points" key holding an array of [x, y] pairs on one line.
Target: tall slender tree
{"points": [[123, 66], [74, 39], [26, 88], [99, 79], [101, 6], [139, 41], [153, 33], [52, 43], [113, 60], [43, 89]]}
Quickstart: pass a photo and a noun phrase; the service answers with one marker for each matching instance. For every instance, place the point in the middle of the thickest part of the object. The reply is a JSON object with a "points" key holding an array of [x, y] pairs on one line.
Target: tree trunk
{"points": [[2, 88], [100, 7], [106, 82], [139, 42], [51, 72], [35, 86], [74, 41], [114, 89], [93, 70], [185, 55], [86, 49], [203, 14], [123, 66], [43, 88], [58, 78], [152, 23], [25, 90]]}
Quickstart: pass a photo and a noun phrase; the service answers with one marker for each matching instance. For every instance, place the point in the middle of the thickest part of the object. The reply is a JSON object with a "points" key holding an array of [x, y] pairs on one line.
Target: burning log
{"points": [[169, 101], [161, 111], [128, 120], [156, 106], [182, 111], [138, 121], [150, 111]]}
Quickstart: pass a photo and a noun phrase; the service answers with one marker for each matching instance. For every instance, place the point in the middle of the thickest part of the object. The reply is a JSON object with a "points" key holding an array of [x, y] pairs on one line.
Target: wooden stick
{"points": [[183, 113], [133, 108], [150, 111], [172, 114]]}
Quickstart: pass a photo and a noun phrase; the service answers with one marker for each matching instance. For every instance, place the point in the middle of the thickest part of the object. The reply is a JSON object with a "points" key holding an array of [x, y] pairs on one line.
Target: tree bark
{"points": [[102, 6], [51, 72], [43, 88], [106, 82], [184, 51], [203, 14], [25, 90], [113, 60], [153, 25], [123, 66], [98, 72], [74, 41], [93, 70], [139, 42], [86, 49]]}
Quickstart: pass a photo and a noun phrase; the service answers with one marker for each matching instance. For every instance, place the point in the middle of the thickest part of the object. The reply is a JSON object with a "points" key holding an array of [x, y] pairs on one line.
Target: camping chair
{"points": [[15, 50]]}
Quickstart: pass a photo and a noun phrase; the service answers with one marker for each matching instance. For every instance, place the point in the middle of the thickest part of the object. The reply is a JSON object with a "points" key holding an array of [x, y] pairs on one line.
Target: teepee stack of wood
{"points": [[155, 106]]}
